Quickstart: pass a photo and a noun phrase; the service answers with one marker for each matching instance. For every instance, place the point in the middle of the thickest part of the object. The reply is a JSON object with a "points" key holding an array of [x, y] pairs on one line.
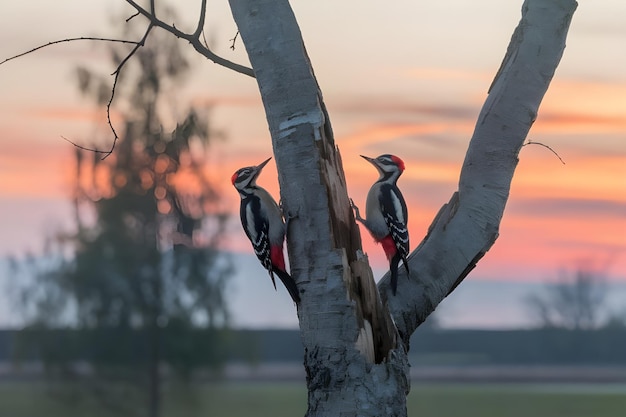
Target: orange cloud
{"points": [[599, 177], [556, 213], [548, 122], [30, 167], [375, 134], [73, 115]]}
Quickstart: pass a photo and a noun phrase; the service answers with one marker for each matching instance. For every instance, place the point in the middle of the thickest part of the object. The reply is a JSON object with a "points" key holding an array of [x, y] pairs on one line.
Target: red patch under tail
{"points": [[389, 246], [278, 260]]}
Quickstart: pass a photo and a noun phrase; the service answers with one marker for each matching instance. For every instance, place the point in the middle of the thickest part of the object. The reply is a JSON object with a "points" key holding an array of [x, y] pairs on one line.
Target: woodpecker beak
{"points": [[262, 164], [370, 160], [259, 168]]}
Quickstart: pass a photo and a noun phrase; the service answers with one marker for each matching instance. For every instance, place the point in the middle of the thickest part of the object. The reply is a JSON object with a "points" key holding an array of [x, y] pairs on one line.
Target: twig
{"points": [[530, 142], [116, 73], [131, 17], [201, 20], [84, 148], [233, 40], [82, 38]]}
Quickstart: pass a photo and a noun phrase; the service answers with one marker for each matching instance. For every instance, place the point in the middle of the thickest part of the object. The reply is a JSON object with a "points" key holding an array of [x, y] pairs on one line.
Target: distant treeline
{"points": [[428, 346]]}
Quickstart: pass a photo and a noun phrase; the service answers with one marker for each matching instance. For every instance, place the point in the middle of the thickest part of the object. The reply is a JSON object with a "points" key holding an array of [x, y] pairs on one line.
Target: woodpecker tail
{"points": [[393, 268], [406, 265], [272, 276], [289, 284]]}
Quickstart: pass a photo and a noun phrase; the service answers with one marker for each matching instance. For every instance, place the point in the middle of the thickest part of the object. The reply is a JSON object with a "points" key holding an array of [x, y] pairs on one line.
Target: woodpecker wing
{"points": [[395, 214], [257, 230]]}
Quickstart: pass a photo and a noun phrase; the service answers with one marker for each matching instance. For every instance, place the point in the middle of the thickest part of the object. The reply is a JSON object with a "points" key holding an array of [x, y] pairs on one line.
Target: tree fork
{"points": [[339, 305]]}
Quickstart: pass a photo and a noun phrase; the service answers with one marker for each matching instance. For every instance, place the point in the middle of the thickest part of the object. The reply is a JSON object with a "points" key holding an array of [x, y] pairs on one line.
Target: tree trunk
{"points": [[355, 358]]}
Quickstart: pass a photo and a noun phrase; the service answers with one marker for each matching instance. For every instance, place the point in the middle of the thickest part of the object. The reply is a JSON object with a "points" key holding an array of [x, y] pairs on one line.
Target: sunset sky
{"points": [[407, 78]]}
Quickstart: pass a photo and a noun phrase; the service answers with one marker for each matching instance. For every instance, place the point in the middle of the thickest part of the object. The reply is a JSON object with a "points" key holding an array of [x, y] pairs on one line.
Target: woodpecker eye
{"points": [[240, 175]]}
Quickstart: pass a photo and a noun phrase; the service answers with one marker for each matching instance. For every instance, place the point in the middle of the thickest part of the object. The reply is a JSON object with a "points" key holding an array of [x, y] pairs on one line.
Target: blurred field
{"points": [[517, 400], [278, 399]]}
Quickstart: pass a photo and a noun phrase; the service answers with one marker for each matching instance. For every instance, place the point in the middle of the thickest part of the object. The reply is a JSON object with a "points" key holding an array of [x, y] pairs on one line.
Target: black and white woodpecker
{"points": [[263, 223], [387, 215]]}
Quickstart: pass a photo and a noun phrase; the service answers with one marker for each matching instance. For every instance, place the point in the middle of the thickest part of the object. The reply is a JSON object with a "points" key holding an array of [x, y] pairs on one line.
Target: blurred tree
{"points": [[575, 302], [142, 276]]}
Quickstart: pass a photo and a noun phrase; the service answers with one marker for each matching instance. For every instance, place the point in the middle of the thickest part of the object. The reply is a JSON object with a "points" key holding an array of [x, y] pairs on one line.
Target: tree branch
{"points": [[128, 19], [116, 73], [84, 148], [233, 40], [82, 38], [200, 26], [467, 227], [193, 38], [530, 142]]}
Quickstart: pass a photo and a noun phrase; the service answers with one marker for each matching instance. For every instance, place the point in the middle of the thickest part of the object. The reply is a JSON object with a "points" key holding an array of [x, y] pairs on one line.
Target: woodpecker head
{"points": [[388, 166], [245, 178]]}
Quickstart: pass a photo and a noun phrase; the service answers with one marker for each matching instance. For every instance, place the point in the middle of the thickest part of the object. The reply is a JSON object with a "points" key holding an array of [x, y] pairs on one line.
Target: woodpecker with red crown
{"points": [[263, 223], [387, 215]]}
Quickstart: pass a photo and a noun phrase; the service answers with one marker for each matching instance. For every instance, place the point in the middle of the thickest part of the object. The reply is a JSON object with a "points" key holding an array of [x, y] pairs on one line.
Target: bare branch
{"points": [[233, 40], [530, 142], [193, 38], [131, 17], [473, 215], [136, 44], [82, 38], [201, 20], [108, 152], [116, 73], [204, 39]]}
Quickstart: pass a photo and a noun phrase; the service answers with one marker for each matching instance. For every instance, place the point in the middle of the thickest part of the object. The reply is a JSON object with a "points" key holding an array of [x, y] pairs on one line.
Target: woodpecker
{"points": [[387, 215], [263, 223]]}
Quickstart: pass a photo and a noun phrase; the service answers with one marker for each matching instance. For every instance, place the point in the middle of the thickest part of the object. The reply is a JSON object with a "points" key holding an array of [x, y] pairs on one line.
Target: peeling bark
{"points": [[354, 360]]}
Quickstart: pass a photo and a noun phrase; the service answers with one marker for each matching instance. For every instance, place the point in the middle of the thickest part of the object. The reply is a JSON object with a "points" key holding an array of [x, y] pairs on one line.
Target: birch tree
{"points": [[355, 335]]}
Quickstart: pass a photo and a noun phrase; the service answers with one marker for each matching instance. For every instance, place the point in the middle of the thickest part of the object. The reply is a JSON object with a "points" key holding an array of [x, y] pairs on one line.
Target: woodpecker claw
{"points": [[357, 213], [288, 218]]}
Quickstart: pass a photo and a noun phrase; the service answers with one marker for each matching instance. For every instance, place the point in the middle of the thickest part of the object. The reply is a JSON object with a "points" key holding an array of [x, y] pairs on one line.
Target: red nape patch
{"points": [[398, 162], [234, 177], [389, 246], [276, 255]]}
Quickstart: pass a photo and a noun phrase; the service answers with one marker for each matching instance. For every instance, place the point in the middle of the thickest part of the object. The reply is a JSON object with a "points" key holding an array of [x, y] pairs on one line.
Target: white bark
{"points": [[354, 361]]}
